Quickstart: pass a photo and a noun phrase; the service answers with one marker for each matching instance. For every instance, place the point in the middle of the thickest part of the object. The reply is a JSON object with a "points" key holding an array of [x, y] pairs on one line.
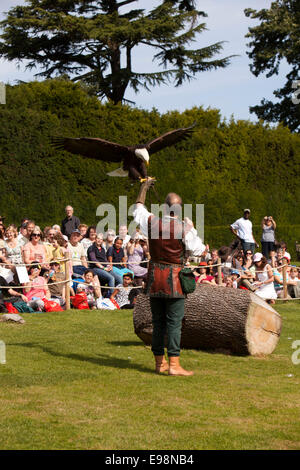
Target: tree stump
{"points": [[219, 319]]}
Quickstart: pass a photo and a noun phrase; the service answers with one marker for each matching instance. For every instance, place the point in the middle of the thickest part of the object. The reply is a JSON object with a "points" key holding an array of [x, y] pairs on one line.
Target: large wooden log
{"points": [[219, 319]]}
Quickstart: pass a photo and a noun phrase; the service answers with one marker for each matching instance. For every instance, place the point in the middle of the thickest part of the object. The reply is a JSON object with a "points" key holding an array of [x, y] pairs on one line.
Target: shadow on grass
{"points": [[102, 360], [126, 343]]}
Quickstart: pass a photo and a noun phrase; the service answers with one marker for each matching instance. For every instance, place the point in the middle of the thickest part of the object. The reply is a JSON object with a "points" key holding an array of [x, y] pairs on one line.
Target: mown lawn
{"points": [[84, 380]]}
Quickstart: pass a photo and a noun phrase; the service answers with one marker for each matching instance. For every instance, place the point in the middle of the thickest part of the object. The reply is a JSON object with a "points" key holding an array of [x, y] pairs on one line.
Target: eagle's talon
{"points": [[149, 178]]}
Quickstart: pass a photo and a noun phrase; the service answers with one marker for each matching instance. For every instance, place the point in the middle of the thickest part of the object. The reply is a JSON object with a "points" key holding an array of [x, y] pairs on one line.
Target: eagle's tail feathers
{"points": [[119, 172], [58, 142]]}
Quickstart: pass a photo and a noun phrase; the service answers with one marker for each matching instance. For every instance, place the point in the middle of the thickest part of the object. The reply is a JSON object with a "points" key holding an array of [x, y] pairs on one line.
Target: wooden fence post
{"points": [[219, 272], [67, 284], [284, 280]]}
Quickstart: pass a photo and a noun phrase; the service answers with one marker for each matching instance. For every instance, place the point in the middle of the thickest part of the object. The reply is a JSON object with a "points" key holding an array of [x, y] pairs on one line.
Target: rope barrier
{"points": [[68, 281], [59, 260]]}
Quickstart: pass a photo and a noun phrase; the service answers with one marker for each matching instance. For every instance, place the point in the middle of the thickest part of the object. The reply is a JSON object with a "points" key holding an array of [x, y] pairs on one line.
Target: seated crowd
{"points": [[104, 268], [262, 274]]}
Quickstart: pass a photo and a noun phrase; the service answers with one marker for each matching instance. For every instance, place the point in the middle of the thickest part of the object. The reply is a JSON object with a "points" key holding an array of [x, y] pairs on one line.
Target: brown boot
{"points": [[176, 369], [161, 364]]}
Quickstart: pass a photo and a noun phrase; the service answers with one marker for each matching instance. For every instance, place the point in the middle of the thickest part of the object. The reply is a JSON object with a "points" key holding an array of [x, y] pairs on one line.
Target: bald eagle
{"points": [[135, 158]]}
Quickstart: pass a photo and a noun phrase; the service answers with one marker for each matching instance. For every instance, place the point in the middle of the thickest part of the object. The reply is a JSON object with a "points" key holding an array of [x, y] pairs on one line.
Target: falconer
{"points": [[169, 238]]}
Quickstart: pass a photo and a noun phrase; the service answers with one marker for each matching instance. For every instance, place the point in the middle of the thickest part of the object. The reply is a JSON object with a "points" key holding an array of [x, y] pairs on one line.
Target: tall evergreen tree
{"points": [[276, 38], [93, 41]]}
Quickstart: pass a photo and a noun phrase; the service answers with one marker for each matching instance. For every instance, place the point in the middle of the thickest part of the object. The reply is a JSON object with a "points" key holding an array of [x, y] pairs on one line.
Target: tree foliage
{"points": [[93, 41], [226, 166], [275, 39]]}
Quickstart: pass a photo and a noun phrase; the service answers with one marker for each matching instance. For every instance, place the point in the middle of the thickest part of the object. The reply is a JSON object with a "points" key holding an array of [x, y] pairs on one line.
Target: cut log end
{"points": [[263, 327]]}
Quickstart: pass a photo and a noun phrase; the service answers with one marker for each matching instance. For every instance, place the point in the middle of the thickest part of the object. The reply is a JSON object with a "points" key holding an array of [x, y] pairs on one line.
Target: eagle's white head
{"points": [[143, 154]]}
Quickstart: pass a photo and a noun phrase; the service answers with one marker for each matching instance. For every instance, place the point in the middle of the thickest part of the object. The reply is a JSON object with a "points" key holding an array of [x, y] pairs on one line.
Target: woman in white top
{"points": [[264, 279]]}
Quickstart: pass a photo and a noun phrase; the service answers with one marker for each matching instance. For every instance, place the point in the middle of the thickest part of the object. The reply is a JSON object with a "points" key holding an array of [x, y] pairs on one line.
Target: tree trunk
{"points": [[219, 319]]}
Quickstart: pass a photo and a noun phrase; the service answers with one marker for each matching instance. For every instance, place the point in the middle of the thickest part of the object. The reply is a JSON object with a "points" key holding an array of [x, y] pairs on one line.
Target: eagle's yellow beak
{"points": [[147, 162]]}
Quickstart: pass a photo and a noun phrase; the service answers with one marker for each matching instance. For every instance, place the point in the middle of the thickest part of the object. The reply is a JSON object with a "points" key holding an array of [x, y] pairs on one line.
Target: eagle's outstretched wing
{"points": [[169, 138], [99, 149]]}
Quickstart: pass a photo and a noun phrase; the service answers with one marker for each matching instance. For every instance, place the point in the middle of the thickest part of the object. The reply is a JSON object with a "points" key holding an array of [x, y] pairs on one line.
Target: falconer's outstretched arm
{"points": [[141, 198]]}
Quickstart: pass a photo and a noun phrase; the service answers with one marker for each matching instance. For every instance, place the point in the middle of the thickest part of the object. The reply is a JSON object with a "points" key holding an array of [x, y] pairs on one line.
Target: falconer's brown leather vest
{"points": [[167, 257]]}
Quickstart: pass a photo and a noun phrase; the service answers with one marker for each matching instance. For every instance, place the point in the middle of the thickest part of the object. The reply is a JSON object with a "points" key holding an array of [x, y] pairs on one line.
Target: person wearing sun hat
{"points": [[204, 277], [242, 228]]}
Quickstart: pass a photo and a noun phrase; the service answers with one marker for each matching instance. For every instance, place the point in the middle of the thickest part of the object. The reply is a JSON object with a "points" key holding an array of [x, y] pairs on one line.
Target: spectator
{"points": [[12, 246], [294, 283], [56, 228], [89, 238], [22, 235], [49, 234], [116, 257], [214, 259], [76, 250], [238, 259], [264, 278], [242, 228], [228, 282], [99, 264], [248, 274], [268, 236], [2, 234], [205, 256], [136, 255], [59, 248], [225, 253], [34, 250], [123, 235], [203, 277], [109, 239], [278, 278], [235, 276], [82, 229], [91, 287], [10, 294], [36, 289], [57, 291], [285, 254], [70, 222], [210, 268], [122, 292], [30, 226]]}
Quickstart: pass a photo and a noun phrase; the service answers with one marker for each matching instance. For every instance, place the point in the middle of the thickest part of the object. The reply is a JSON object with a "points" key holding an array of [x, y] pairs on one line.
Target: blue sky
{"points": [[232, 90]]}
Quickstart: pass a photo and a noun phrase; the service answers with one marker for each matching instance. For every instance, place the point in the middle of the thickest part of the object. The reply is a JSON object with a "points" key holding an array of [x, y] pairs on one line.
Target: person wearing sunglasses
{"points": [[34, 250]]}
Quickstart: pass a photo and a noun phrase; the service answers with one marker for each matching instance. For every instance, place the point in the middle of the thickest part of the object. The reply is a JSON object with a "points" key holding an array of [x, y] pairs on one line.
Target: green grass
{"points": [[84, 380]]}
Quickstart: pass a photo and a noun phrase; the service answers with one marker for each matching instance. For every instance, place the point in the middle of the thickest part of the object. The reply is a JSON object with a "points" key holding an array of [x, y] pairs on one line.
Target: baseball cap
{"points": [[247, 210], [76, 231], [235, 271], [257, 257]]}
